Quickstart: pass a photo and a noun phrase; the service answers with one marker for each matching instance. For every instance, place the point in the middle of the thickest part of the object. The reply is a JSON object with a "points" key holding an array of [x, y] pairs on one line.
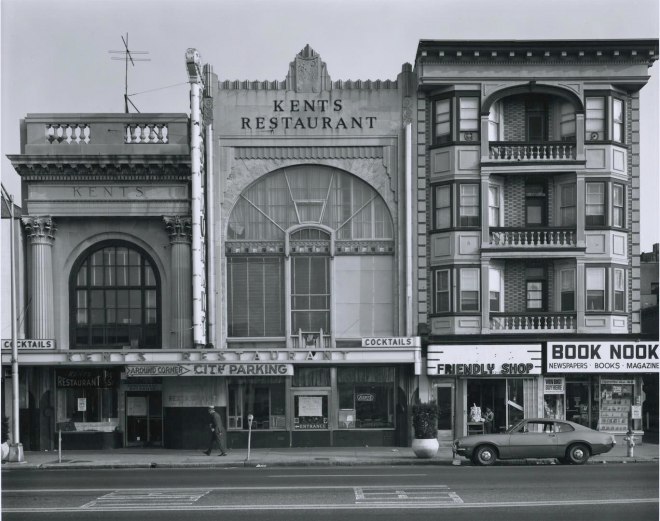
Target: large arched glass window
{"points": [[115, 295], [310, 214]]}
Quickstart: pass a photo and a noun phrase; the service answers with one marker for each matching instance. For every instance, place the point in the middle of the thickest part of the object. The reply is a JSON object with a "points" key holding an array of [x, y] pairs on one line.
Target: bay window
{"points": [[443, 206], [442, 121], [595, 282], [465, 214], [469, 289], [595, 204], [469, 118], [617, 120], [618, 219], [619, 287], [468, 205], [442, 291], [595, 119]]}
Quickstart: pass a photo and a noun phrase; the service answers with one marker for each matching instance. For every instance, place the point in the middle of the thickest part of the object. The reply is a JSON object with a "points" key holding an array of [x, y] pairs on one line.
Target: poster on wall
{"points": [[310, 406], [82, 404], [553, 385]]}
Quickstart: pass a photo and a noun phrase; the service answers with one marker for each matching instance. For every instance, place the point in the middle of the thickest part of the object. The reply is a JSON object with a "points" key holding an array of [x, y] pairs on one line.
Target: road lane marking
{"points": [[344, 475], [409, 506], [145, 500], [391, 495]]}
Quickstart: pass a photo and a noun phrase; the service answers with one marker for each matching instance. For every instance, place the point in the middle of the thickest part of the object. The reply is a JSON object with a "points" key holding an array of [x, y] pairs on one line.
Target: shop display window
{"points": [[366, 397], [616, 400], [263, 397], [514, 400], [87, 409]]}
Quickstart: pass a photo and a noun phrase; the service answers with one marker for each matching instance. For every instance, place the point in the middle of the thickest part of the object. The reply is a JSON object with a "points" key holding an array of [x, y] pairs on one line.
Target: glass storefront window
{"points": [[616, 400], [87, 397], [263, 397], [577, 402], [366, 397], [514, 400]]}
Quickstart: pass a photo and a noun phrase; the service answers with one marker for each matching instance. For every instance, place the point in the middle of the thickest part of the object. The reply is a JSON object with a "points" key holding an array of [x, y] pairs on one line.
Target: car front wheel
{"points": [[484, 456], [578, 454]]}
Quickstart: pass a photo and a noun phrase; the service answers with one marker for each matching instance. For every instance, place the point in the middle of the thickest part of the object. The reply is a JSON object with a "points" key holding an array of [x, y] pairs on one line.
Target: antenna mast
{"points": [[128, 55]]}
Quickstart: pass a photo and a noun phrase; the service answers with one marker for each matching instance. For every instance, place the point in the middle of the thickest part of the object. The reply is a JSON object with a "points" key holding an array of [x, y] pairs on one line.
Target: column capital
{"points": [[39, 229], [179, 228]]}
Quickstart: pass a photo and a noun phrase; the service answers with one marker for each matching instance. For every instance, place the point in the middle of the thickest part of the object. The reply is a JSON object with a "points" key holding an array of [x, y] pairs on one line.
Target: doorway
{"points": [[144, 419]]}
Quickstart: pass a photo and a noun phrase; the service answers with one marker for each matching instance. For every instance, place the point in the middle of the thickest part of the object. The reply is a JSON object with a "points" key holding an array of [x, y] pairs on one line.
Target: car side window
{"points": [[563, 427]]}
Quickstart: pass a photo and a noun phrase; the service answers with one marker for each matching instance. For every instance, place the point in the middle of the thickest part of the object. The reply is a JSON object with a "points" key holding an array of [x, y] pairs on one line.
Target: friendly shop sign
{"points": [[602, 357]]}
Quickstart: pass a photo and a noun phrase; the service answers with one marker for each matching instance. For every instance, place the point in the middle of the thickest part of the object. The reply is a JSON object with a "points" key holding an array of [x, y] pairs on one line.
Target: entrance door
{"points": [[144, 421], [445, 401], [311, 419]]}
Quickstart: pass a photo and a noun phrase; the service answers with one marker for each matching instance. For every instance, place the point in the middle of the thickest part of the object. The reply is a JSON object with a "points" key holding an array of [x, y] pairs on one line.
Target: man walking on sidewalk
{"points": [[217, 433]]}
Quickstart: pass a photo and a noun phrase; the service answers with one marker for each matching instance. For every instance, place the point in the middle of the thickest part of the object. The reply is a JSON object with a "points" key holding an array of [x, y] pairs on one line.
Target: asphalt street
{"points": [[522, 492]]}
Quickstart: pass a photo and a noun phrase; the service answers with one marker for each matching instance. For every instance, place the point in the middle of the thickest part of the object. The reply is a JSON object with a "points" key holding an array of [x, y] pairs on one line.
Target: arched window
{"points": [[115, 298]]}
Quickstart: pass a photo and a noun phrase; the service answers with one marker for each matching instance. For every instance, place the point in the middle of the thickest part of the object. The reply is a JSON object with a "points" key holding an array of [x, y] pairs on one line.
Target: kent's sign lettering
{"points": [[316, 114]]}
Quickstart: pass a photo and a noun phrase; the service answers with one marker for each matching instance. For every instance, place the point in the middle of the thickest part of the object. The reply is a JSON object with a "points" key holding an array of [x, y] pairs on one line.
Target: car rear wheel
{"points": [[578, 454], [484, 456]]}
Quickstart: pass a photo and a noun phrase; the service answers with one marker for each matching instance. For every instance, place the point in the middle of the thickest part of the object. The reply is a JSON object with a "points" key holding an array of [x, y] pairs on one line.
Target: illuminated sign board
{"points": [[602, 357]]}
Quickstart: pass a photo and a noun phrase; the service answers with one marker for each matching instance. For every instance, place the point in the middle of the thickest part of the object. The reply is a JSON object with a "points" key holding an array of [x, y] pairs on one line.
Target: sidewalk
{"points": [[278, 457]]}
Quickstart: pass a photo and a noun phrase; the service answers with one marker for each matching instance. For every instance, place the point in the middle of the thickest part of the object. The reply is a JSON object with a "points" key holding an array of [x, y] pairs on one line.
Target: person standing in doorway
{"points": [[489, 418], [218, 433]]}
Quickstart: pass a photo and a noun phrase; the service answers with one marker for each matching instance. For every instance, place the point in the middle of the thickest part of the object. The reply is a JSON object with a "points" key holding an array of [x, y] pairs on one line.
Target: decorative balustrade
{"points": [[311, 340], [68, 133], [523, 151], [140, 133], [546, 322], [532, 238]]}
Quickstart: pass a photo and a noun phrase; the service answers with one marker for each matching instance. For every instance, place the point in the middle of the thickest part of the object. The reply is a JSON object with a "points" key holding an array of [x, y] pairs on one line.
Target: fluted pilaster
{"points": [[179, 229], [41, 235]]}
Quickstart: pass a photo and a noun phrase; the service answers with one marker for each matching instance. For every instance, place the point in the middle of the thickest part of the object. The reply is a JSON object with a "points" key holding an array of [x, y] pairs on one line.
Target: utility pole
{"points": [[15, 447], [128, 55]]}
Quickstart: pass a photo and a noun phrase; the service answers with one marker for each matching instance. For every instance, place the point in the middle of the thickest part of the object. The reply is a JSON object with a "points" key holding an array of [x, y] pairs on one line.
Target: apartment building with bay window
{"points": [[529, 154]]}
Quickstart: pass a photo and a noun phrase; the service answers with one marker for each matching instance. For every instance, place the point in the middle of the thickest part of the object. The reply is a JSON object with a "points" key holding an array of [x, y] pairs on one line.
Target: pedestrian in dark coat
{"points": [[218, 433]]}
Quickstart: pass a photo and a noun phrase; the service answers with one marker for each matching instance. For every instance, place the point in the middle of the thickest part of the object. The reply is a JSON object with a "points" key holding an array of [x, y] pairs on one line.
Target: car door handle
{"points": [[552, 435]]}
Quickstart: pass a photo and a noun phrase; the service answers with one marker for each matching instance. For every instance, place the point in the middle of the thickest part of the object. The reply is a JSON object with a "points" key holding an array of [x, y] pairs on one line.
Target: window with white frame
{"points": [[595, 282], [595, 119], [595, 204], [468, 205], [469, 289], [442, 291], [443, 207], [568, 205], [618, 219], [617, 120], [567, 122], [619, 285], [494, 205], [567, 290], [494, 117], [495, 292], [469, 118], [442, 121]]}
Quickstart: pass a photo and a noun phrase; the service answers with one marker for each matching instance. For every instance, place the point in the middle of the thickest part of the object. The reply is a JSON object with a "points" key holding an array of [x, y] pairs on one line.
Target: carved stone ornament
{"points": [[179, 228], [39, 228], [308, 73]]}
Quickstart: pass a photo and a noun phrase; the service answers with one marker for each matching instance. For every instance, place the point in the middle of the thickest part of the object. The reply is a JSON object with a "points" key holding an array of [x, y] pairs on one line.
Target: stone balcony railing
{"points": [[311, 340], [526, 151], [533, 238], [99, 134], [530, 322]]}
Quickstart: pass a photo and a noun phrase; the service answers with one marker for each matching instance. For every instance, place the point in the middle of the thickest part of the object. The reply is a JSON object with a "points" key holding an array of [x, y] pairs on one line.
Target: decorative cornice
{"points": [[282, 85], [179, 228], [39, 229], [48, 168], [366, 152]]}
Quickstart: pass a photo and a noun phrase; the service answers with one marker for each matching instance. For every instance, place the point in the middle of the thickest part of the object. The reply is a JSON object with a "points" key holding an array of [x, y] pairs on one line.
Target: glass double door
{"points": [[144, 419]]}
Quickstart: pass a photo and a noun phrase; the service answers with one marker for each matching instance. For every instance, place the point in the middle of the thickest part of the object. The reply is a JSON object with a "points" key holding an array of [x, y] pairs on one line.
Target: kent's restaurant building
{"points": [[252, 256]]}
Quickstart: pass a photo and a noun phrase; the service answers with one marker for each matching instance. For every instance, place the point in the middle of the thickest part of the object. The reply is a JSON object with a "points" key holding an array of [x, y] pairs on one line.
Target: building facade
{"points": [[312, 256], [529, 157]]}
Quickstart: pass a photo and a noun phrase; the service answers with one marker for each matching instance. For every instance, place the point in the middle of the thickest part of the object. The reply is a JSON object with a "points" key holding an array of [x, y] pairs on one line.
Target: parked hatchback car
{"points": [[566, 441]]}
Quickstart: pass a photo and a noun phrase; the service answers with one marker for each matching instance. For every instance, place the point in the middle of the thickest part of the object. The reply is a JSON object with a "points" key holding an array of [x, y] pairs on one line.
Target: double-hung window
{"points": [[619, 285], [494, 205], [468, 205], [442, 119], [595, 204], [469, 289], [495, 289], [567, 290], [617, 120], [595, 119], [568, 205], [469, 118], [595, 281], [443, 207], [567, 122], [442, 291], [618, 219]]}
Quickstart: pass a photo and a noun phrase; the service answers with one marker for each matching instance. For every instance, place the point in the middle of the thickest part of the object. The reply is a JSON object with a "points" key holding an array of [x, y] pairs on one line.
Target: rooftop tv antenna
{"points": [[128, 56]]}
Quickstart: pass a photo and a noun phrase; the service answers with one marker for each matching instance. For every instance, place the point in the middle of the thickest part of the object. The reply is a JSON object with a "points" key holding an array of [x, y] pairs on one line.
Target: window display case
{"points": [[616, 399]]}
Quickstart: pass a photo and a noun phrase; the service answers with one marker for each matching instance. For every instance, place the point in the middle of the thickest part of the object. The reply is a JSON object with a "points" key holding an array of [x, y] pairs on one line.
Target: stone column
{"points": [[179, 228], [40, 235]]}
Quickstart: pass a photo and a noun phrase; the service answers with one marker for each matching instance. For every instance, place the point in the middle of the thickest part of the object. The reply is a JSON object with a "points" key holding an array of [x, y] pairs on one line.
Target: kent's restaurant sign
{"points": [[602, 357], [217, 369], [484, 360]]}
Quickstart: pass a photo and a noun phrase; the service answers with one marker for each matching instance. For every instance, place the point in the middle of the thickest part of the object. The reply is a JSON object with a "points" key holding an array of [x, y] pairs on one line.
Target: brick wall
{"points": [[513, 110]]}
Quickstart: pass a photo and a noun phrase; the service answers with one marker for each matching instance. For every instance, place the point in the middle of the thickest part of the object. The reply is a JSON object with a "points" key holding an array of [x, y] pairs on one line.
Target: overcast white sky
{"points": [[55, 52]]}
